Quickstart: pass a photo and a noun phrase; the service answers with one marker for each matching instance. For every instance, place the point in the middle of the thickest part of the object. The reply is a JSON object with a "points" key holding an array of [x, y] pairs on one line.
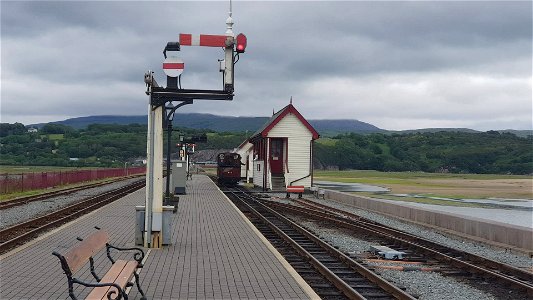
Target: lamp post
{"points": [[170, 110]]}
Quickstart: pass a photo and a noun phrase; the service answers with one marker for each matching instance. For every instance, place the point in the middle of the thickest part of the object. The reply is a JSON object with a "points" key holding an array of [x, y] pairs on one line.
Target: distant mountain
{"points": [[519, 133], [232, 124], [83, 122], [424, 130], [220, 123], [332, 127]]}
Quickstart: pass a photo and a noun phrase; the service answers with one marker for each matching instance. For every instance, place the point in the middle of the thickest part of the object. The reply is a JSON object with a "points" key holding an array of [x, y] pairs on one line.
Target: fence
{"points": [[11, 183]]}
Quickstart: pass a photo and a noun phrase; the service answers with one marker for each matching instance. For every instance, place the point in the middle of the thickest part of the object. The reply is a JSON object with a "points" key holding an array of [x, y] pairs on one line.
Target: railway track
{"points": [[19, 234], [475, 265], [331, 273], [24, 200]]}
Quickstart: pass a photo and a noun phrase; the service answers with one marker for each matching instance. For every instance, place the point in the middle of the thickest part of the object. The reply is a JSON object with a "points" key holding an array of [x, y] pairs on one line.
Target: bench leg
{"points": [[139, 286], [288, 195], [299, 195], [71, 292]]}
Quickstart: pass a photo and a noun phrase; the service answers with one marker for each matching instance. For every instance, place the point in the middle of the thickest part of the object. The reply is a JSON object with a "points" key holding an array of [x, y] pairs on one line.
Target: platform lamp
{"points": [[170, 109]]}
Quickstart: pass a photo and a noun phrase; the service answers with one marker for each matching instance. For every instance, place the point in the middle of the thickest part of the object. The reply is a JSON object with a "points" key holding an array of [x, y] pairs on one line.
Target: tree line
{"points": [[455, 152], [99, 145], [112, 145]]}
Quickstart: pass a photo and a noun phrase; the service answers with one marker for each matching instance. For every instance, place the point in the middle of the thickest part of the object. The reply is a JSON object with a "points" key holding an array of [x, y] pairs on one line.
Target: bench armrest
{"points": [[137, 256], [110, 294]]}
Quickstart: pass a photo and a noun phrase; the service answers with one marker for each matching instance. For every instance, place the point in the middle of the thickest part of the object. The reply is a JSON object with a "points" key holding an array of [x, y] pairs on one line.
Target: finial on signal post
{"points": [[229, 22]]}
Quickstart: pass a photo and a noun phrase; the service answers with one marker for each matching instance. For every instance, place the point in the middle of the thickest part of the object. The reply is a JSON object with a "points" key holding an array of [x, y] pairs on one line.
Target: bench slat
{"points": [[77, 256], [120, 273]]}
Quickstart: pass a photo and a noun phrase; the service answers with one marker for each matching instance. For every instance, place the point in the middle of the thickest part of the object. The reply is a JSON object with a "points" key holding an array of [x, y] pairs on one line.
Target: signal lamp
{"points": [[241, 43]]}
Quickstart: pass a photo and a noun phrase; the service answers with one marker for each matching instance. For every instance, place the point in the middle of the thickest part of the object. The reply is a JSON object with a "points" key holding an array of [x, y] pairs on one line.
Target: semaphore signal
{"points": [[161, 110]]}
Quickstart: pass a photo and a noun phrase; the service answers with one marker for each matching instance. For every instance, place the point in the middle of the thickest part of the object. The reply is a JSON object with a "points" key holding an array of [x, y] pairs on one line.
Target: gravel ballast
{"points": [[501, 255], [426, 285], [22, 213], [423, 285]]}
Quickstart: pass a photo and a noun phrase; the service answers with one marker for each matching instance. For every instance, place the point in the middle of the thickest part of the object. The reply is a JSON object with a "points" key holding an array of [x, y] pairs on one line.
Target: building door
{"points": [[276, 156]]}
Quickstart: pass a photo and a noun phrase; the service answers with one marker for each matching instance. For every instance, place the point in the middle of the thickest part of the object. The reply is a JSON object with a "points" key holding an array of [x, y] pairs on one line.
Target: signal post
{"points": [[154, 233]]}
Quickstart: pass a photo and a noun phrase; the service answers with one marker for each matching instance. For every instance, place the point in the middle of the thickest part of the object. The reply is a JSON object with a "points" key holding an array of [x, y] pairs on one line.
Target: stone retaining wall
{"points": [[514, 236]]}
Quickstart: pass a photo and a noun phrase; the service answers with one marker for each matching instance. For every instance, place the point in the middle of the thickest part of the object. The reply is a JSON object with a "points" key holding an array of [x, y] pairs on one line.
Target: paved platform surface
{"points": [[215, 254]]}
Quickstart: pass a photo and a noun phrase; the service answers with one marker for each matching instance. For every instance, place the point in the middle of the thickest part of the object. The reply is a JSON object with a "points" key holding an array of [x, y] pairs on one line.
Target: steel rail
{"points": [[15, 235], [503, 268], [27, 199], [347, 290], [339, 283], [526, 286]]}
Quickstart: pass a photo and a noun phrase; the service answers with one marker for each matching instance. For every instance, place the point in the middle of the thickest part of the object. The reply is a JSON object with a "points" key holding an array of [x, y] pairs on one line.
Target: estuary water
{"points": [[519, 217], [510, 211], [350, 187]]}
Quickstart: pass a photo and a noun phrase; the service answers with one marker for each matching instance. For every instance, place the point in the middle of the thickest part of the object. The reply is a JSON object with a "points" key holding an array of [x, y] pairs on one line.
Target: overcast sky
{"points": [[396, 65]]}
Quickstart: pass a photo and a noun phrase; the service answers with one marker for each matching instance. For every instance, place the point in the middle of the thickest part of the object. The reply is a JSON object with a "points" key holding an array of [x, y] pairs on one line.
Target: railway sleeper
{"points": [[316, 251], [345, 273], [332, 293], [353, 280], [363, 287], [293, 257], [306, 244], [419, 259], [457, 273], [302, 265], [305, 270], [322, 285], [334, 265], [376, 295], [327, 260]]}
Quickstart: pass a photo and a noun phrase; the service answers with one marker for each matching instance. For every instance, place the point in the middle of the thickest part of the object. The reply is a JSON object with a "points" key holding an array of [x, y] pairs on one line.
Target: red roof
{"points": [[263, 131]]}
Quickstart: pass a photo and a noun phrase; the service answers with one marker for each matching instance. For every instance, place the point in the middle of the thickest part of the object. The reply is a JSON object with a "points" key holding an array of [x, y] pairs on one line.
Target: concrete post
{"points": [[154, 179]]}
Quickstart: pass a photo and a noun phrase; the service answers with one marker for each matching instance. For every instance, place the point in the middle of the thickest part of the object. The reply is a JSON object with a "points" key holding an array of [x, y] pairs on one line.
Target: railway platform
{"points": [[216, 253]]}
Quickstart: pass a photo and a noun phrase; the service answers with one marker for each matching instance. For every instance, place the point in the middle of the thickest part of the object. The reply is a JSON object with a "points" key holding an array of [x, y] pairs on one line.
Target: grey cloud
{"points": [[95, 53]]}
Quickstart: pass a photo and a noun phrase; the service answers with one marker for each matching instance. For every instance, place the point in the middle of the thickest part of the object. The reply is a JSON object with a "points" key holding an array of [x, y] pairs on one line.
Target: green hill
{"points": [[251, 124], [219, 123]]}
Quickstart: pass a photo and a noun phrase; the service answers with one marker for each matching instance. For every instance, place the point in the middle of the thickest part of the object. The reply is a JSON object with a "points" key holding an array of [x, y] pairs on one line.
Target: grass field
{"points": [[56, 137], [476, 186]]}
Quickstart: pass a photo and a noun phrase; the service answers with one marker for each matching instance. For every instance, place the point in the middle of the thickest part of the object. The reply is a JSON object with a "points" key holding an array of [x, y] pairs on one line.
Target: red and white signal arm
{"points": [[173, 66], [206, 40]]}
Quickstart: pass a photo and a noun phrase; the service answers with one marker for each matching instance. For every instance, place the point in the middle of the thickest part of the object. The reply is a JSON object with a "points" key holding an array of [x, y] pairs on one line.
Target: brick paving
{"points": [[215, 254]]}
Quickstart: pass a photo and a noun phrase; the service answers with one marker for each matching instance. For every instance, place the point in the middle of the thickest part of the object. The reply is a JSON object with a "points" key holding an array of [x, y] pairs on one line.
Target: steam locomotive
{"points": [[228, 168]]}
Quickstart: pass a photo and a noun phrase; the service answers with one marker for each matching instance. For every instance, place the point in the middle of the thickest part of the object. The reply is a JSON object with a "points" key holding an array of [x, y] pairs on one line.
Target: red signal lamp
{"points": [[241, 43]]}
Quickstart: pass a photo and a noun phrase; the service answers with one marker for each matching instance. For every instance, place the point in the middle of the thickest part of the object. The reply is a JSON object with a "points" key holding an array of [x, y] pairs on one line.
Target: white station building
{"points": [[280, 153]]}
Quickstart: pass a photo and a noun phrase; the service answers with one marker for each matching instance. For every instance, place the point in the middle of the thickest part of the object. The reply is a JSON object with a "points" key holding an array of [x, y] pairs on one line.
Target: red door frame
{"points": [[276, 165]]}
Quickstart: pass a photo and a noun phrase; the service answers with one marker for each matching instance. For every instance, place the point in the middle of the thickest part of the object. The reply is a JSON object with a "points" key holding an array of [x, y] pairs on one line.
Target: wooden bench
{"points": [[297, 189], [114, 283]]}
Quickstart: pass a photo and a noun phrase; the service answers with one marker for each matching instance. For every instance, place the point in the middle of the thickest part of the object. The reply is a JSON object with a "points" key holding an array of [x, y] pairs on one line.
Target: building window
{"points": [[259, 149]]}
